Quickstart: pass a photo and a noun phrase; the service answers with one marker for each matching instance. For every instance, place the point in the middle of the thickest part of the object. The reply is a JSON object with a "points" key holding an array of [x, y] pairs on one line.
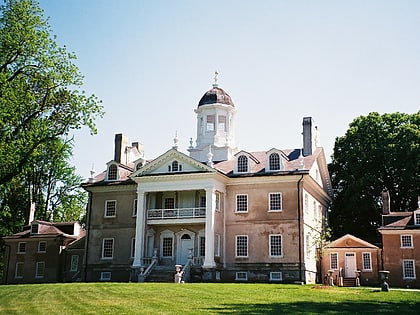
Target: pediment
{"points": [[350, 241], [172, 162]]}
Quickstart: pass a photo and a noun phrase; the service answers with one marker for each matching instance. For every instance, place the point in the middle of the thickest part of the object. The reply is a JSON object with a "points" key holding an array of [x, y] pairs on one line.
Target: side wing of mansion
{"points": [[221, 213]]}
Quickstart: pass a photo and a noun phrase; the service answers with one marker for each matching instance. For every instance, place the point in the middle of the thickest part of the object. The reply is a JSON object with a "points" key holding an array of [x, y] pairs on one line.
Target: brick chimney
{"points": [[121, 142], [310, 136], [386, 202]]}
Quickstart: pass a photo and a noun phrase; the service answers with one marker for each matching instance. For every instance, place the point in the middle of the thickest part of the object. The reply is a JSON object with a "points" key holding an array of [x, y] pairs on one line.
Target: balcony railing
{"points": [[180, 213]]}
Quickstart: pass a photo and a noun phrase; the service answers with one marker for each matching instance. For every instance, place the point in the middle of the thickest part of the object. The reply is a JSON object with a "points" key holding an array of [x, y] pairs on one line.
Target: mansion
{"points": [[222, 213]]}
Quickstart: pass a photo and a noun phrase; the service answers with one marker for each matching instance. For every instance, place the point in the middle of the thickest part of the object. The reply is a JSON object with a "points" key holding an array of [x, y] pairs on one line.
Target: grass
{"points": [[200, 298]]}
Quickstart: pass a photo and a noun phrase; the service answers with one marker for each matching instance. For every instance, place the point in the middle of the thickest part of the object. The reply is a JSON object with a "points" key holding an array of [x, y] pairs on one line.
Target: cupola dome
{"points": [[216, 95]]}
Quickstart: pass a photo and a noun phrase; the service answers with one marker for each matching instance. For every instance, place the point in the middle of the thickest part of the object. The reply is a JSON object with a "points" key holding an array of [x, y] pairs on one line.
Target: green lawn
{"points": [[200, 298]]}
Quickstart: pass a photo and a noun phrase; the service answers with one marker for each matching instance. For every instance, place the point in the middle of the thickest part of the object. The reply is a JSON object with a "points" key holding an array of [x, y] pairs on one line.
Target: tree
{"points": [[377, 152], [40, 96]]}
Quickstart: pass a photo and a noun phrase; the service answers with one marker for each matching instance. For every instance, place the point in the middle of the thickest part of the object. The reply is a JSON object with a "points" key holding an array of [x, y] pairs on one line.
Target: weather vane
{"points": [[216, 74]]}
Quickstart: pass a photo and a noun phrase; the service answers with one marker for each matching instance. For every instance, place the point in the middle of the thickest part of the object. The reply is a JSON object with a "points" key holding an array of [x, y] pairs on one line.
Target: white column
{"points": [[140, 229], [210, 212]]}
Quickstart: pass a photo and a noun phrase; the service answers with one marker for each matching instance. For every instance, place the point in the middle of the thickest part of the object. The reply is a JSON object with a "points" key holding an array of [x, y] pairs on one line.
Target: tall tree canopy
{"points": [[40, 88], [377, 152]]}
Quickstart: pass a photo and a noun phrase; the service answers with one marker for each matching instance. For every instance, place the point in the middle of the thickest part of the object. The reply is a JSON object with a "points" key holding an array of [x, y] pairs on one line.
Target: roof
{"points": [[399, 221], [49, 229], [215, 95], [350, 241]]}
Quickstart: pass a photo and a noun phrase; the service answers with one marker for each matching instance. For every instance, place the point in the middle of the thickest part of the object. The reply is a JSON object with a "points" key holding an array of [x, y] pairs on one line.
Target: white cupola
{"points": [[215, 126]]}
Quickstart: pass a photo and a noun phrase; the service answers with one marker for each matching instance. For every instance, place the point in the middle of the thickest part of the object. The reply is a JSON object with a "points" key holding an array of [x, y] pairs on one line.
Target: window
{"points": [[19, 270], [170, 203], [217, 245], [417, 218], [108, 248], [133, 248], [409, 271], [42, 247], [407, 241], [276, 248], [334, 261], [203, 202], [241, 246], [134, 208], [367, 262], [202, 248], [275, 202], [241, 203], [176, 167], [241, 276], [308, 246], [218, 202], [110, 208], [34, 228], [74, 263], [276, 276], [105, 276], [40, 269], [221, 123], [210, 123], [112, 172], [21, 248], [242, 164], [306, 204], [274, 162], [167, 247]]}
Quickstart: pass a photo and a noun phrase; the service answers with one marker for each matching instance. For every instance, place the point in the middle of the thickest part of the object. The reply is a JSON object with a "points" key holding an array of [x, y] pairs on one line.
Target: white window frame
{"points": [[217, 245], [19, 248], [105, 276], [134, 213], [34, 228], [272, 194], [270, 247], [243, 166], [103, 248], [417, 217], [217, 201], [108, 172], [244, 237], [276, 276], [133, 248], [365, 261], [106, 209], [237, 203], [271, 162], [74, 262], [404, 238], [241, 276], [19, 270], [40, 269], [40, 250], [404, 269], [335, 260]]}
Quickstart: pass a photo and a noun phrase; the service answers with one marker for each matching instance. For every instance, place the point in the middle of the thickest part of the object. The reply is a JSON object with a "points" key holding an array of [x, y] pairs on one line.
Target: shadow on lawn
{"points": [[362, 307]]}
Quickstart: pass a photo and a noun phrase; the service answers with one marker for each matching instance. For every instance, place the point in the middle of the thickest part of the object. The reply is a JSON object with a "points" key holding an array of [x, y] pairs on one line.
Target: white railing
{"points": [[179, 213]]}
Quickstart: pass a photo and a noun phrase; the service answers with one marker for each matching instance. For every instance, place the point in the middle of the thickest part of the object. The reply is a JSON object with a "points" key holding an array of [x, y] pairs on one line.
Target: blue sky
{"points": [[151, 61]]}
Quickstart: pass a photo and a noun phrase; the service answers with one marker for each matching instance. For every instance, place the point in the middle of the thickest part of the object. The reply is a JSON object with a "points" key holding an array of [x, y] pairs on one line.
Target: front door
{"points": [[186, 244], [350, 266]]}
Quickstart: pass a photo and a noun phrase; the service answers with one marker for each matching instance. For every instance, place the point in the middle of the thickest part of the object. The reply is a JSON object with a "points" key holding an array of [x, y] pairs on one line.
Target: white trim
{"points": [[106, 208], [103, 247], [241, 276], [21, 269], [236, 246], [370, 261], [39, 245], [24, 247], [269, 202], [278, 277], [410, 237], [236, 203], [336, 255], [38, 273], [404, 271], [281, 246], [105, 276]]}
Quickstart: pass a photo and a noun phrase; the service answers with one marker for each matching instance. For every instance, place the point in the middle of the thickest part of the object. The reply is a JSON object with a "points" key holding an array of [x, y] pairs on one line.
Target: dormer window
{"points": [[139, 165], [417, 217], [242, 164], [34, 228], [112, 172], [274, 162]]}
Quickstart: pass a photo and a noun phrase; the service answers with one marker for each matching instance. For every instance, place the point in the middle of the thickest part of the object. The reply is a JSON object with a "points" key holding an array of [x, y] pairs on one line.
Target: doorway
{"points": [[350, 266], [185, 244]]}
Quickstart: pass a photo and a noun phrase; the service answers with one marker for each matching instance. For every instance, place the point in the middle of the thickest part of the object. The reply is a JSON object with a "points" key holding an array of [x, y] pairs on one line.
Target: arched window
{"points": [[274, 162], [242, 164], [175, 166], [112, 172], [139, 165]]}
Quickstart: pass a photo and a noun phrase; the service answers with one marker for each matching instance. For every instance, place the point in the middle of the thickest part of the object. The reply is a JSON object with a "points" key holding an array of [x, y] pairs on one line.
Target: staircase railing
{"points": [[186, 271], [144, 273]]}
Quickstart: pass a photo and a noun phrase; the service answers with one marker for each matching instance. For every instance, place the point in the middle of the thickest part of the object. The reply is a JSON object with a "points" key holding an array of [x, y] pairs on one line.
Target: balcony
{"points": [[179, 215]]}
